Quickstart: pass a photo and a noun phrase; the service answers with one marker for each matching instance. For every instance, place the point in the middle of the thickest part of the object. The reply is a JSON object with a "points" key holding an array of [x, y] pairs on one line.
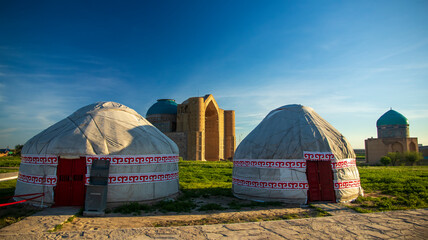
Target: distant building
{"points": [[201, 129], [424, 151], [393, 136]]}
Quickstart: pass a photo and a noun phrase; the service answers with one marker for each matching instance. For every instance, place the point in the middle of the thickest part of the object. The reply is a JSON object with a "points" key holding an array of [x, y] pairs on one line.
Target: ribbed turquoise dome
{"points": [[163, 106], [392, 117]]}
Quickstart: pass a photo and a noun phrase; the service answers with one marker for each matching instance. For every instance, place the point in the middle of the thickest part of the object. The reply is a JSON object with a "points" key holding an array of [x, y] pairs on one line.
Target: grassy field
{"points": [[393, 188], [10, 161], [386, 188]]}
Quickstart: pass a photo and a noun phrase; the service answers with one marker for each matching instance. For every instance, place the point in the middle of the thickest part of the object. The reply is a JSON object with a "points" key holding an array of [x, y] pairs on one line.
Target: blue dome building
{"points": [[392, 117], [163, 106], [163, 115], [392, 124], [392, 136]]}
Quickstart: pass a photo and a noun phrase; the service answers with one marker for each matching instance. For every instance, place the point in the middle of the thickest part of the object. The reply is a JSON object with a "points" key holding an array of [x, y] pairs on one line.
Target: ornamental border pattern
{"points": [[270, 163], [346, 184], [135, 160], [318, 156], [274, 185], [114, 159], [289, 163], [38, 180], [39, 159]]}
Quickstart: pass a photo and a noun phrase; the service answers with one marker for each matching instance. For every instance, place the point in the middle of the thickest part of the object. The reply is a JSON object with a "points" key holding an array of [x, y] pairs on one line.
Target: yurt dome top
{"points": [[102, 128], [163, 106], [392, 117], [290, 130]]}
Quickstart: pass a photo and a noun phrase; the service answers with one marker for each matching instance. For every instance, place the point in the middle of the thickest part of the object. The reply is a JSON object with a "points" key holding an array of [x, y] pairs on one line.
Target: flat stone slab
{"points": [[410, 224], [38, 223], [334, 208], [8, 176]]}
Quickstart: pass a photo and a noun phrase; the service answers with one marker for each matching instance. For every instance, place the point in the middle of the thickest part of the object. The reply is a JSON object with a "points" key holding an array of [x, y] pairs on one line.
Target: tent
{"points": [[57, 161], [295, 156]]}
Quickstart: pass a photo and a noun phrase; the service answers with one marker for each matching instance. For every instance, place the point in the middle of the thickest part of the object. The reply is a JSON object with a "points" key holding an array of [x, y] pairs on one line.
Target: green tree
{"points": [[385, 160], [395, 157], [412, 157], [18, 149]]}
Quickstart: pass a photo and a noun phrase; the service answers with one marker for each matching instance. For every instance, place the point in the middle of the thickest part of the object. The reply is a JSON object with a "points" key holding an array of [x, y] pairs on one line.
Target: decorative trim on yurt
{"points": [[114, 178], [288, 164]]}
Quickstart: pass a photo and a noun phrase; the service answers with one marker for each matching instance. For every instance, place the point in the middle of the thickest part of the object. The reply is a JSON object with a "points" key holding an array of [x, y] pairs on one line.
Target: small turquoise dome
{"points": [[392, 117], [163, 106]]}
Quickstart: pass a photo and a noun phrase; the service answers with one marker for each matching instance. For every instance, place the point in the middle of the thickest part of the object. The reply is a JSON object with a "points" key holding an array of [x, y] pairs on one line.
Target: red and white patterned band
{"points": [[142, 178], [318, 156], [274, 185], [38, 180], [347, 184], [133, 178], [114, 159], [135, 160], [344, 163], [270, 163], [39, 159], [289, 163]]}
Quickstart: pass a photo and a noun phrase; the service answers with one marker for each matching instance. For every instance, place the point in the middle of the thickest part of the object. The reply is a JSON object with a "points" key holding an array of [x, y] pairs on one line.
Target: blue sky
{"points": [[348, 60]]}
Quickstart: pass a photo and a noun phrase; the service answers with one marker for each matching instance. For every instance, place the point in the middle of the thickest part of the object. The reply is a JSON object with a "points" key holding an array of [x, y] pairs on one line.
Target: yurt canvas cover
{"points": [[294, 154], [57, 161]]}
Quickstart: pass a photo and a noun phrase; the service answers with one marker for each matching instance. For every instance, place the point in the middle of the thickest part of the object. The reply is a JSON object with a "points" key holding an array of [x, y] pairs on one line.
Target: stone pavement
{"points": [[8, 176], [410, 224], [40, 222], [334, 209]]}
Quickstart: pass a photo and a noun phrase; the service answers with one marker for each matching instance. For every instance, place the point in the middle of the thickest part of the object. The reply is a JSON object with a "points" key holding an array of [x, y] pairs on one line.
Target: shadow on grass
{"points": [[204, 199], [13, 213]]}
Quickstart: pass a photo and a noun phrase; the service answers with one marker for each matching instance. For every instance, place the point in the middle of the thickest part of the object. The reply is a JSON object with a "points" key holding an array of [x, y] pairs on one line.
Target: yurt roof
{"points": [[102, 128], [288, 131]]}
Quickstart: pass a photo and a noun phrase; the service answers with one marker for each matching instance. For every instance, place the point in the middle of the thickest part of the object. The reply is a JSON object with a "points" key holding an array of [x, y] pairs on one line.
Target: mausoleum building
{"points": [[393, 136], [200, 128]]}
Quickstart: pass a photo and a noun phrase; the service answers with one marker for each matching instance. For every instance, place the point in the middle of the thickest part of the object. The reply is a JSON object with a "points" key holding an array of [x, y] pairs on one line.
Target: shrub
{"points": [[395, 157], [412, 157], [385, 160]]}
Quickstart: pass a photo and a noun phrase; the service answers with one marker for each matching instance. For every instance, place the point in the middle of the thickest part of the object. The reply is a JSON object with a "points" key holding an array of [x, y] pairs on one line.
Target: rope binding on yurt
{"points": [[36, 195]]}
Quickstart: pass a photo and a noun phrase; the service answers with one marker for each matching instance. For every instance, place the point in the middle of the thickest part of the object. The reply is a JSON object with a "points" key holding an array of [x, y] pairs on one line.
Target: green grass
{"points": [[14, 213], [10, 161], [237, 205], [59, 226], [387, 188], [8, 170], [7, 188], [210, 207], [197, 180], [393, 188], [204, 175]]}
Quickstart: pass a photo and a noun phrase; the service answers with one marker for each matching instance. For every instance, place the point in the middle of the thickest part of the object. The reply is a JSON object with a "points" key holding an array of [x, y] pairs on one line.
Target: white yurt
{"points": [[295, 156], [57, 161]]}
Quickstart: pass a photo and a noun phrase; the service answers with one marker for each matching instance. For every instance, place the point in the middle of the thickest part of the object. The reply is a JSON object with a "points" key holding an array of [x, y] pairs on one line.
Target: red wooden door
{"points": [[313, 181], [63, 185], [70, 189], [326, 181], [320, 180]]}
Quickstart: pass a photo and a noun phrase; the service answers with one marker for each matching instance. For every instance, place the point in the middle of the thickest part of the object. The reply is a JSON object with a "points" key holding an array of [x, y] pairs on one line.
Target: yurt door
{"points": [[70, 189], [320, 179]]}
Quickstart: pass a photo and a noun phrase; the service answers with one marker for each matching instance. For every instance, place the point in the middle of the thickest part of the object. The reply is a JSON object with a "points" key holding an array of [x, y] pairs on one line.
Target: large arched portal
{"points": [[211, 133], [412, 147], [397, 147]]}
